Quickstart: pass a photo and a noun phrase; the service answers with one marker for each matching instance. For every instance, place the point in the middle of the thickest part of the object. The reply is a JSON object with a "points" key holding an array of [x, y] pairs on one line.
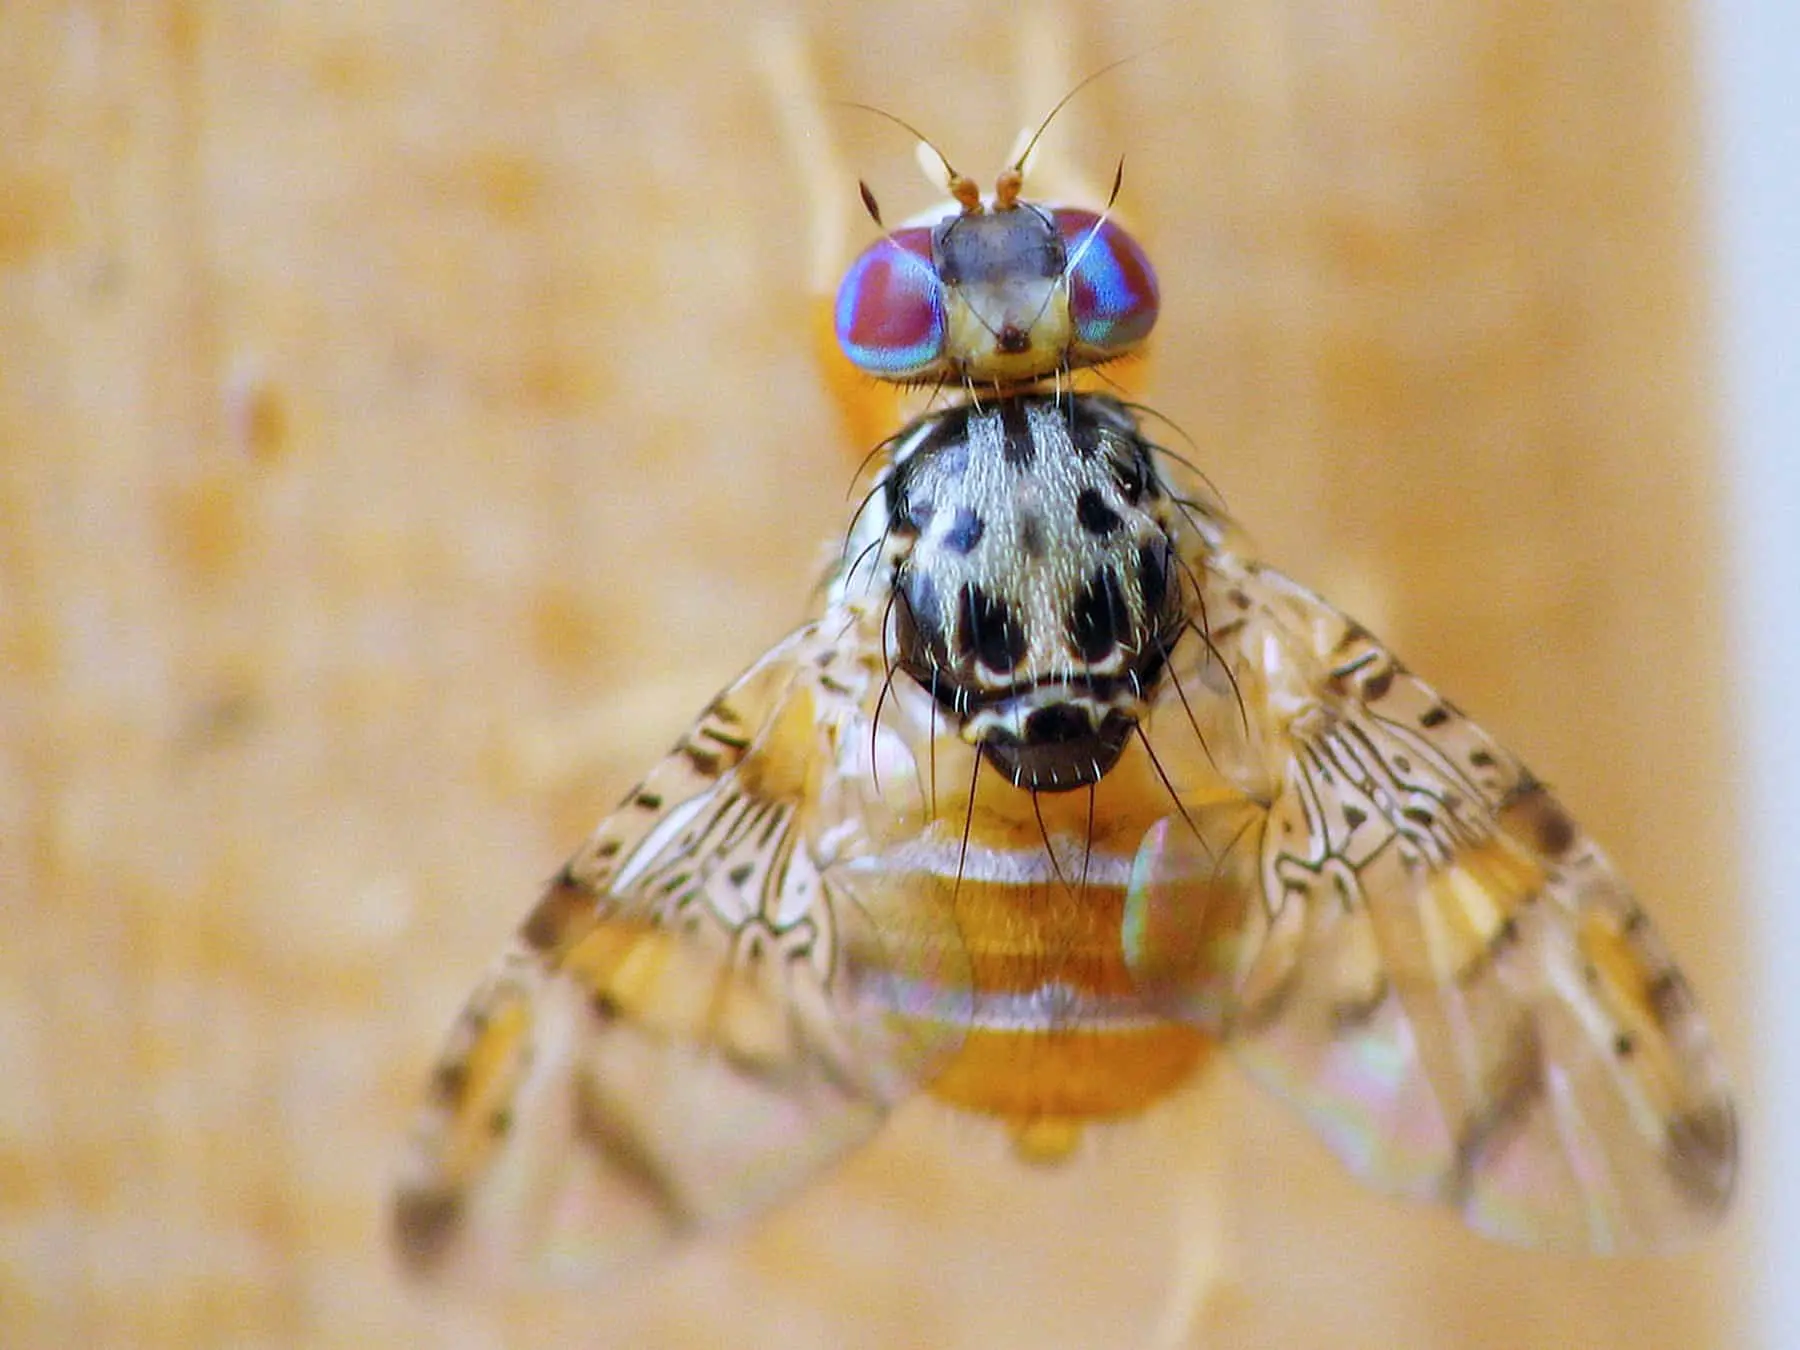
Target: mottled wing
{"points": [[698, 1014], [1416, 946]]}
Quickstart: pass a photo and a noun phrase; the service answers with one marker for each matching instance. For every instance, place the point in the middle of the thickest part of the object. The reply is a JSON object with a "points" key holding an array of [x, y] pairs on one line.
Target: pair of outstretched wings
{"points": [[1407, 939]]}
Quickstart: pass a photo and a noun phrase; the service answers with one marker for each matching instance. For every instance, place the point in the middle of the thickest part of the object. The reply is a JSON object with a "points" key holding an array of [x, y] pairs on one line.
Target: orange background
{"points": [[407, 421]]}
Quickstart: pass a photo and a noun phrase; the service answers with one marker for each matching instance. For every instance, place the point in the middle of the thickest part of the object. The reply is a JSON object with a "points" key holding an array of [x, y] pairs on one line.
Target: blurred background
{"points": [[408, 421]]}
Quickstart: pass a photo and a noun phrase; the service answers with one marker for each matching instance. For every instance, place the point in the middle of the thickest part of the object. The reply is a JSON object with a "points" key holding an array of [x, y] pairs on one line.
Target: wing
{"points": [[1406, 937], [700, 1011]]}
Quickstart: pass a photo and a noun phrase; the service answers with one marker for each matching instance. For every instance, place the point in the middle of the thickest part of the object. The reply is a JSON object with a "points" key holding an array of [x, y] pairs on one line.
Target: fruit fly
{"points": [[1061, 789]]}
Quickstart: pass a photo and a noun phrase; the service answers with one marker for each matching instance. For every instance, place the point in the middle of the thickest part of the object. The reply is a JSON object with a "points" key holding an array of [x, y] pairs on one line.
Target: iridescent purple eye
{"points": [[890, 308], [1113, 300]]}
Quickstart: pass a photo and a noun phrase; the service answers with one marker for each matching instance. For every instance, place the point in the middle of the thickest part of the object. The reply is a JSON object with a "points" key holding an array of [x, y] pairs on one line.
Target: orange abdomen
{"points": [[1060, 1033]]}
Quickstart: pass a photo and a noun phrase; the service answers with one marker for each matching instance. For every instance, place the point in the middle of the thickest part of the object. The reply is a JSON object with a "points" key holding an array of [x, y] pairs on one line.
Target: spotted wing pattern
{"points": [[1419, 949], [693, 1018]]}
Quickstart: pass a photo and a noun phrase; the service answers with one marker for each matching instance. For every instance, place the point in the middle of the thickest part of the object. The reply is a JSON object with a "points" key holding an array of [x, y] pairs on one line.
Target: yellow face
{"points": [[996, 295], [1006, 302]]}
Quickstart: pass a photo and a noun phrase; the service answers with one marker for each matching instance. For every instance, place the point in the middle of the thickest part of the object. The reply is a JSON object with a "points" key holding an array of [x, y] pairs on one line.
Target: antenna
{"points": [[1018, 165]]}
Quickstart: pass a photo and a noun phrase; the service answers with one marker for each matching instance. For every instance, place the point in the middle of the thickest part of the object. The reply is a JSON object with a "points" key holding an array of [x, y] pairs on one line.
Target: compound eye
{"points": [[1113, 298], [890, 308]]}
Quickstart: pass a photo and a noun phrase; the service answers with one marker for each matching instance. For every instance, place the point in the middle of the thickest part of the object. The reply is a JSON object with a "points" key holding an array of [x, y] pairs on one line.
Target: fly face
{"points": [[1002, 293], [1032, 570]]}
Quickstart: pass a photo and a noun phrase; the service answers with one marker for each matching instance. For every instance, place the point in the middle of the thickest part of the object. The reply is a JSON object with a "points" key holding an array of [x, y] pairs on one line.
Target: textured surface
{"points": [[407, 421]]}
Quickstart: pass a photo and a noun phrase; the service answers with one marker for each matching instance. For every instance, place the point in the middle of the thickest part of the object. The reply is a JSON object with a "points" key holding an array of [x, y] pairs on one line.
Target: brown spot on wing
{"points": [[426, 1223], [1669, 997], [1376, 686], [1537, 820], [561, 915], [1702, 1155], [450, 1083], [705, 763]]}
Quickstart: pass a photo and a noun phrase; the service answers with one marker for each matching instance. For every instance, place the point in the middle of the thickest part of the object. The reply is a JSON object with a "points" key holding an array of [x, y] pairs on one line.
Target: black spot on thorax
{"points": [[988, 632], [1017, 446], [1096, 517], [1100, 619]]}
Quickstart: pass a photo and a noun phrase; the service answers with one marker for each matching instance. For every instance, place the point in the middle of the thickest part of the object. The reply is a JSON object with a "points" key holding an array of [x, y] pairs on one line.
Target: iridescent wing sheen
{"points": [[1401, 932], [703, 1009]]}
